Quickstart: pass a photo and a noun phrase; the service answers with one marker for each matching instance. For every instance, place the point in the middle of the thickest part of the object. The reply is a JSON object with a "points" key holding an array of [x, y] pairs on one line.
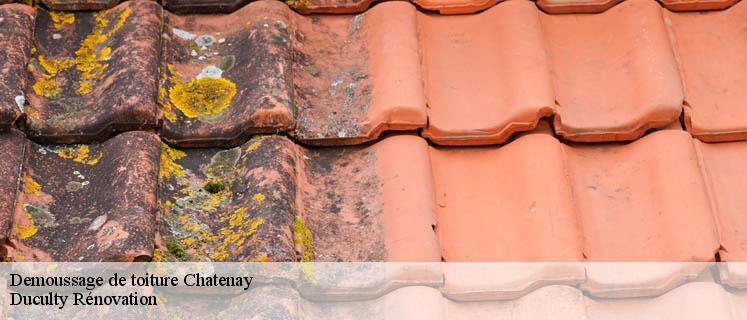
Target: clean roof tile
{"points": [[94, 73], [576, 6], [486, 75], [456, 6], [277, 201], [16, 32], [697, 5], [714, 71], [615, 74], [88, 202]]}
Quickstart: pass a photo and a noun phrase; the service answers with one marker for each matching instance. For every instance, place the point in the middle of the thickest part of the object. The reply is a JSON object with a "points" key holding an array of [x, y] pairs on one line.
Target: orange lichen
{"points": [[206, 96], [258, 197], [27, 228], [80, 154], [240, 228], [49, 88]]}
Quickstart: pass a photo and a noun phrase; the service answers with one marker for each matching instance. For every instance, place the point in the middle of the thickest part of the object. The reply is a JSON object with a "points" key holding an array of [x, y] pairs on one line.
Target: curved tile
{"points": [[576, 6], [639, 279], [277, 201], [713, 71], [88, 202], [356, 76], [456, 6], [226, 77], [486, 75], [16, 37], [495, 204], [203, 6], [722, 165], [615, 74], [329, 6], [637, 205], [697, 5], [94, 73]]}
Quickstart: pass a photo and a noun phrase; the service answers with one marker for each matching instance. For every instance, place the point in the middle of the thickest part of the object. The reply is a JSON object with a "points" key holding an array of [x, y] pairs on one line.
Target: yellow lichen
{"points": [[206, 96], [28, 229], [158, 255], [258, 197], [30, 186], [240, 228], [169, 168], [214, 200], [80, 154], [254, 145], [303, 240], [54, 66], [49, 88], [60, 19], [298, 4]]}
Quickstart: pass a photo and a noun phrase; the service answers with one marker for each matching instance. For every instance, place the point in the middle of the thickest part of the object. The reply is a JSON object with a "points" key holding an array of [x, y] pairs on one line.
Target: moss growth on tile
{"points": [[200, 97], [298, 4], [214, 186], [303, 240]]}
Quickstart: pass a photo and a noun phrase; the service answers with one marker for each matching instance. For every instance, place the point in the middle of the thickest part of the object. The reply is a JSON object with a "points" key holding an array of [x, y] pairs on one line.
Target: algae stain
{"points": [[201, 97]]}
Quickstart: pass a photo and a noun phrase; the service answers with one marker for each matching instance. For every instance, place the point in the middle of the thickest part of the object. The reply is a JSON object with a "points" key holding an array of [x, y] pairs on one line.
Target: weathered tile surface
{"points": [[14, 147], [94, 73], [88, 202], [203, 6], [16, 32], [709, 47], [225, 77], [271, 200], [75, 5]]}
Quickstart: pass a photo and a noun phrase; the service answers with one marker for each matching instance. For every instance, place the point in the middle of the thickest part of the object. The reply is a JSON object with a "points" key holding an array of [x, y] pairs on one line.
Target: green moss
{"points": [[214, 187], [175, 249], [303, 240]]}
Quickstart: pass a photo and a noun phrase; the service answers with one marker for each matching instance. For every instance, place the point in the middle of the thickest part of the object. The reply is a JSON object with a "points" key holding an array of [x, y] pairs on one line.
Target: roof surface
{"points": [[518, 133]]}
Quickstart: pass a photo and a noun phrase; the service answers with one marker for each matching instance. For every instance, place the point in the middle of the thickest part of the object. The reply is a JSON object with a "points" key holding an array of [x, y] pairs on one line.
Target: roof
{"points": [[519, 131]]}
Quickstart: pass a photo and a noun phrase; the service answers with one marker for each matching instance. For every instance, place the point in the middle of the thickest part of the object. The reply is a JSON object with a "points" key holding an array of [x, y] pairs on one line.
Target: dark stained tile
{"points": [[75, 5], [14, 146], [225, 77], [88, 202], [271, 200], [329, 6], [16, 32], [94, 73], [203, 6]]}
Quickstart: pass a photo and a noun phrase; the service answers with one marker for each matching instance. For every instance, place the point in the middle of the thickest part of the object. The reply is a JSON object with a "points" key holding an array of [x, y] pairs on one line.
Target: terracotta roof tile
{"points": [[712, 70], [13, 145], [576, 6], [94, 73], [16, 32], [87, 202], [486, 75], [456, 6], [697, 5], [330, 6], [615, 72], [723, 167], [203, 6], [597, 191], [280, 202]]}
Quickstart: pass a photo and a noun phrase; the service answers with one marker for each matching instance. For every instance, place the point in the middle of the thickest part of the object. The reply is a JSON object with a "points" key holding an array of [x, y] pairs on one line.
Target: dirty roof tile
{"points": [[75, 5], [723, 167], [329, 6], [615, 74], [94, 73], [576, 6], [697, 5], [713, 71], [456, 6], [16, 32], [13, 145], [483, 219], [88, 202], [277, 201], [242, 60], [639, 205], [486, 75], [203, 6], [355, 76]]}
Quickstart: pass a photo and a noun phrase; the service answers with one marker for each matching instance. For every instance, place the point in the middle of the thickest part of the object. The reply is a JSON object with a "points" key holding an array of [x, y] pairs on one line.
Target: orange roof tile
{"points": [[576, 6], [697, 5]]}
